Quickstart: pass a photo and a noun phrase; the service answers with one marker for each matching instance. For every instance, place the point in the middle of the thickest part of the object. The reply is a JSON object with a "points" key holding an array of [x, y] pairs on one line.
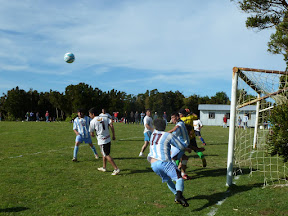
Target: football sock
{"points": [[180, 184], [75, 151], [171, 186], [94, 150], [202, 140], [200, 154]]}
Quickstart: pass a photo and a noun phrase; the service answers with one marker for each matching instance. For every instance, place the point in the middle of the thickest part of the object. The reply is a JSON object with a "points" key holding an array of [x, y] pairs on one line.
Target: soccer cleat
{"points": [[74, 159], [204, 144], [115, 172], [186, 177], [204, 163], [102, 169], [181, 201], [96, 156], [141, 154]]}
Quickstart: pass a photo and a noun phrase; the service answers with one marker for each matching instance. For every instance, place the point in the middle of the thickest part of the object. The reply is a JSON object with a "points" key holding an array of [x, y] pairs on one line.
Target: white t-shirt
{"points": [[105, 115], [147, 120], [101, 126], [245, 119], [197, 125]]}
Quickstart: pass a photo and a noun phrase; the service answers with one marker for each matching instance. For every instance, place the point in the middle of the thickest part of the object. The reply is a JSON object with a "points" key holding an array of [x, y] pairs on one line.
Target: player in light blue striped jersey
{"points": [[160, 159], [81, 129]]}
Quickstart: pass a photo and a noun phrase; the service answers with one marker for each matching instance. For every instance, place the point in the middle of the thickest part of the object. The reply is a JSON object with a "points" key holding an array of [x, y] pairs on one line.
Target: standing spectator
{"points": [[81, 128], [126, 117], [165, 117], [47, 116], [155, 116], [148, 129], [245, 121], [239, 122], [116, 116], [225, 121], [31, 116], [132, 117], [27, 115], [101, 125], [37, 117], [142, 115], [136, 117]]}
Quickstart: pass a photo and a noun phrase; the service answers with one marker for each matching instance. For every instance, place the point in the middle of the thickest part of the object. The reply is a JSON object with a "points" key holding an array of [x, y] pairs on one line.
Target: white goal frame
{"points": [[237, 73]]}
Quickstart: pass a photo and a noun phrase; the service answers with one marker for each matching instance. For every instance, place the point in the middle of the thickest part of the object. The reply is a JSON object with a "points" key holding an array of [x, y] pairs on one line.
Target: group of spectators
{"points": [[30, 116]]}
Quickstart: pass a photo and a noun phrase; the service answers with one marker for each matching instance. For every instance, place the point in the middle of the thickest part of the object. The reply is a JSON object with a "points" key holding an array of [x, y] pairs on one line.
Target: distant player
{"points": [[81, 129], [197, 128], [101, 125], [148, 128], [160, 159], [104, 114], [188, 119]]}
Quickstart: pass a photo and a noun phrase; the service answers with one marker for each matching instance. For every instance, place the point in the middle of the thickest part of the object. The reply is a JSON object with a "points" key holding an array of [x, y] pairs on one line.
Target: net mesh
{"points": [[263, 90]]}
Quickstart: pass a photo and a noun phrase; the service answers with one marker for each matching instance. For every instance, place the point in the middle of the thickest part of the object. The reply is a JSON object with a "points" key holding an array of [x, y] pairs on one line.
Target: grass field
{"points": [[37, 177]]}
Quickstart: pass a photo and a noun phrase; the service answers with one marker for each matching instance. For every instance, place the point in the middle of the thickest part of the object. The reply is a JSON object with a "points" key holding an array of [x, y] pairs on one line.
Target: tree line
{"points": [[63, 106]]}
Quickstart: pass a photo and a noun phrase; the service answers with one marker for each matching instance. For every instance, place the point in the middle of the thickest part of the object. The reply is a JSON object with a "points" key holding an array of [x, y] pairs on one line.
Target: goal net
{"points": [[255, 93]]}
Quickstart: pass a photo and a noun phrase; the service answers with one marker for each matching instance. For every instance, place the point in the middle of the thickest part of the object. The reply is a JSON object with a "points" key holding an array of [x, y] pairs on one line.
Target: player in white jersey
{"points": [[148, 128], [160, 159], [81, 129], [181, 132], [104, 114], [101, 126], [197, 124]]}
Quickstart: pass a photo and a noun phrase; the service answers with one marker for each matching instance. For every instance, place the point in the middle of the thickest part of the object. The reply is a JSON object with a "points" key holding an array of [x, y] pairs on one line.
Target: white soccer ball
{"points": [[69, 57]]}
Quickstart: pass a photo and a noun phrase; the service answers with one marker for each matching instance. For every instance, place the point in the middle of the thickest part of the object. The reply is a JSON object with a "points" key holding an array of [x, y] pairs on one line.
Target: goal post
{"points": [[254, 93]]}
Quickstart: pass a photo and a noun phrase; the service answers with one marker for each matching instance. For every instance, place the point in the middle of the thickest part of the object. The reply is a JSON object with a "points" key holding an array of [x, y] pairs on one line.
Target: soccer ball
{"points": [[69, 57]]}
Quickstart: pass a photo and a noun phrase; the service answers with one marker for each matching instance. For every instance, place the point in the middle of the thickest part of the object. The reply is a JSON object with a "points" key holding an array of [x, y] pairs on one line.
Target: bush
{"points": [[72, 117], [278, 136]]}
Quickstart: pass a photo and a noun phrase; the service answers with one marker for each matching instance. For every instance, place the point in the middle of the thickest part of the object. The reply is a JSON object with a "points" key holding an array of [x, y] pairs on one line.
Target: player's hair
{"points": [[159, 124], [147, 110], [81, 110], [93, 110], [183, 111], [175, 114]]}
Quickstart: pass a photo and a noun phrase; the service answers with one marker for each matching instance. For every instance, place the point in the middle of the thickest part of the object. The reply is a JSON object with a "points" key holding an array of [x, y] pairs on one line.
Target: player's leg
{"points": [[103, 168], [78, 140], [147, 136], [199, 153], [106, 151], [94, 150], [184, 161]]}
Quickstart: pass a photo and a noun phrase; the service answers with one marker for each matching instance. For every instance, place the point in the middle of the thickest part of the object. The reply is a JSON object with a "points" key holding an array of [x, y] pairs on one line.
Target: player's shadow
{"points": [[14, 209], [221, 196]]}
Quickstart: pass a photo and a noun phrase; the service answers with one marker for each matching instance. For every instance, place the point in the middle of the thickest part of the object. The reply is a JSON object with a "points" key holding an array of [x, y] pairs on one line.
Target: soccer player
{"points": [[101, 125], [181, 133], [197, 128], [193, 144], [160, 159], [104, 114], [81, 129], [148, 129]]}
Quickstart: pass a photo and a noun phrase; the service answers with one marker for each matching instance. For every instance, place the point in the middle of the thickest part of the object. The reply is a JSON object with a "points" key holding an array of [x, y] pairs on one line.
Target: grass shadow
{"points": [[14, 209], [217, 198]]}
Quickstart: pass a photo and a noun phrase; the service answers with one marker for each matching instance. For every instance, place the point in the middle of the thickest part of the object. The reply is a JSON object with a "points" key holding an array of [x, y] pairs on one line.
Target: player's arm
{"points": [[173, 129], [76, 132], [177, 143], [91, 129], [148, 127], [112, 130]]}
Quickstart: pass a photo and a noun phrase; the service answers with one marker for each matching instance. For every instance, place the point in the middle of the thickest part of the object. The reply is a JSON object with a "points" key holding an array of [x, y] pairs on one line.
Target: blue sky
{"points": [[128, 45]]}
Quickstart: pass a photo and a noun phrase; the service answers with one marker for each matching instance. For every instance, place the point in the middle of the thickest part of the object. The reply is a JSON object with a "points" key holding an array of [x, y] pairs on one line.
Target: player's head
{"points": [[148, 112], [103, 111], [80, 112], [159, 124], [182, 113], [92, 112], [175, 117]]}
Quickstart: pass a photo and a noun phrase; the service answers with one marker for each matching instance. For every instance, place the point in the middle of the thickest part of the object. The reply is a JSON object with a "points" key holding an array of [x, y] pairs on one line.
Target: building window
{"points": [[211, 115]]}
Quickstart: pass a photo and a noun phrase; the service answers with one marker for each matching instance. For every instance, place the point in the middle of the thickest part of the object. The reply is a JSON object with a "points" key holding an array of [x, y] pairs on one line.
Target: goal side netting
{"points": [[255, 93]]}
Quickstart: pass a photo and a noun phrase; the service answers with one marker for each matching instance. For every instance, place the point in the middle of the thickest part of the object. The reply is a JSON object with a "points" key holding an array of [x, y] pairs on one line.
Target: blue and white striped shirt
{"points": [[160, 145], [82, 126], [182, 133]]}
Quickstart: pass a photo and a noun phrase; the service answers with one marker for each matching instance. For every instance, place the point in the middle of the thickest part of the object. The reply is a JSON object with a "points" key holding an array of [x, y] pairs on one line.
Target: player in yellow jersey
{"points": [[188, 119]]}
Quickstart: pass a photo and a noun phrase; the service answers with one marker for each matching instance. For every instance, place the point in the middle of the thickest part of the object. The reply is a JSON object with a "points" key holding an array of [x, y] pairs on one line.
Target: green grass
{"points": [[37, 177]]}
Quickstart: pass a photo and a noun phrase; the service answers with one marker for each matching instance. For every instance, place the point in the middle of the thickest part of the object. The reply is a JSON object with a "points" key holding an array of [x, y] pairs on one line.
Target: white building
{"points": [[212, 114]]}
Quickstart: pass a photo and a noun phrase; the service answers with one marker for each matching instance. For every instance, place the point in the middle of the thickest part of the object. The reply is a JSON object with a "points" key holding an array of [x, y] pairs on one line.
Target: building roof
{"points": [[222, 107]]}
